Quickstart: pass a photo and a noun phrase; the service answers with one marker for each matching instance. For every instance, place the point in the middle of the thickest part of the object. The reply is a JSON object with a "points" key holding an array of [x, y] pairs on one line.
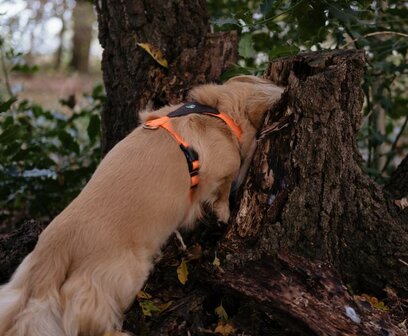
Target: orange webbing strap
{"points": [[231, 123], [190, 154], [165, 123]]}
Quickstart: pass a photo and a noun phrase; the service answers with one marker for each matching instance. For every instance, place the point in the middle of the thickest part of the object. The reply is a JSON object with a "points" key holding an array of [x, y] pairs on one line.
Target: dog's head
{"points": [[242, 97]]}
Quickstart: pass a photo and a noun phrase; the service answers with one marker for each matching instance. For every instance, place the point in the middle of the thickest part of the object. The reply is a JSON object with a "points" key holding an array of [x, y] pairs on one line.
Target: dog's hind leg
{"points": [[94, 298]]}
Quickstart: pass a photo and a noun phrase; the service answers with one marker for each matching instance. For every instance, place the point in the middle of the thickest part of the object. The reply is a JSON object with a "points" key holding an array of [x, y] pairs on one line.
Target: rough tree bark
{"points": [[307, 195], [133, 80], [308, 220], [332, 211]]}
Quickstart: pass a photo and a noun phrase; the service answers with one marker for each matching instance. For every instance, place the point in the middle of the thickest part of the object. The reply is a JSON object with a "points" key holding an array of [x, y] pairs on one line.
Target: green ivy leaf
{"points": [[246, 46], [149, 307], [5, 105], [25, 69], [68, 141], [94, 127], [267, 6], [235, 70], [283, 50], [98, 93], [10, 134]]}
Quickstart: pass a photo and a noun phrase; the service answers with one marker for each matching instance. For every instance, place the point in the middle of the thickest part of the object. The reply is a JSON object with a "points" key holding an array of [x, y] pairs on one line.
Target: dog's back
{"points": [[94, 257], [88, 262]]}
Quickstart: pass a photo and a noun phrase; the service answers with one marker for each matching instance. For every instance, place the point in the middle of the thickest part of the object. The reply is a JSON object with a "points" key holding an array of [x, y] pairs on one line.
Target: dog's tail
{"points": [[30, 302]]}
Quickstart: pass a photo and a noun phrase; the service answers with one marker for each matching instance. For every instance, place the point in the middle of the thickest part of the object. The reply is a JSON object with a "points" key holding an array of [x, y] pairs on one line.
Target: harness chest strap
{"points": [[190, 154]]}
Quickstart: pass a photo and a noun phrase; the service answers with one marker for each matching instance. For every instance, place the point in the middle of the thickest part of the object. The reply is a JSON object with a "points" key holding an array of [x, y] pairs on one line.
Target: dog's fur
{"points": [[94, 257]]}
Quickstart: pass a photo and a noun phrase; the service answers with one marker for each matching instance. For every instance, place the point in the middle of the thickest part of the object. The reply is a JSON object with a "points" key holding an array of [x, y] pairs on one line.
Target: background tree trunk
{"points": [[83, 17], [133, 80], [60, 50]]}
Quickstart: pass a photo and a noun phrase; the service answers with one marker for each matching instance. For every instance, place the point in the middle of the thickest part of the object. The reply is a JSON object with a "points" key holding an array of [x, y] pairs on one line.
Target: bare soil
{"points": [[46, 89]]}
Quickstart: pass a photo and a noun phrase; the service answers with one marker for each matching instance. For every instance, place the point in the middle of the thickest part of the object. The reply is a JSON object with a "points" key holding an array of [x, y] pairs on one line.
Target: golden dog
{"points": [[94, 257]]}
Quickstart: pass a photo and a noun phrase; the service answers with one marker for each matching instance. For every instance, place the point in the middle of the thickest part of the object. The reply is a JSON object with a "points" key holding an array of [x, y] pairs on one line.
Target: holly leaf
{"points": [[155, 53]]}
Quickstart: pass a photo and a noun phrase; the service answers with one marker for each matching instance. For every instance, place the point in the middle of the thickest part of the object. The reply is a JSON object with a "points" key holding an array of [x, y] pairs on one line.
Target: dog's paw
{"points": [[222, 212]]}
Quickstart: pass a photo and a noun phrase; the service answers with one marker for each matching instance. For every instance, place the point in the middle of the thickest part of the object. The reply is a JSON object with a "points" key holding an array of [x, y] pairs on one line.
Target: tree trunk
{"points": [[133, 80], [311, 195], [60, 50], [307, 218], [83, 17]]}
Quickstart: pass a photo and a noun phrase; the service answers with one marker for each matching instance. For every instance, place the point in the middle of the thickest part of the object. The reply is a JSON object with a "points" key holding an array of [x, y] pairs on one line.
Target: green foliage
{"points": [[275, 28], [46, 157]]}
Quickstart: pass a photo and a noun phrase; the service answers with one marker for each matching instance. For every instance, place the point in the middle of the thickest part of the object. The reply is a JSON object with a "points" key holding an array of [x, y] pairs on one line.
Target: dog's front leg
{"points": [[221, 205]]}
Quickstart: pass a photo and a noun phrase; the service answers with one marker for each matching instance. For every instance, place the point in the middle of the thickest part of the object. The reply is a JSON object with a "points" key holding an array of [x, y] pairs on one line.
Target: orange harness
{"points": [[190, 154]]}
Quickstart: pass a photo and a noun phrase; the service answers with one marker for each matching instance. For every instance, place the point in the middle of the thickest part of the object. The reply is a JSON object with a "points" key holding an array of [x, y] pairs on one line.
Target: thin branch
{"points": [[394, 144], [273, 17], [375, 34]]}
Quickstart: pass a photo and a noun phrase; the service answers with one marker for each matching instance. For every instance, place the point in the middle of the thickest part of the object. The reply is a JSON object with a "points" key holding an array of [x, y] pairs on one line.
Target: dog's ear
{"points": [[207, 94], [259, 96], [263, 97]]}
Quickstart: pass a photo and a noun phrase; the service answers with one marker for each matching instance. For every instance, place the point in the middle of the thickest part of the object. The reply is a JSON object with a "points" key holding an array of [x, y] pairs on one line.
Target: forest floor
{"points": [[46, 89]]}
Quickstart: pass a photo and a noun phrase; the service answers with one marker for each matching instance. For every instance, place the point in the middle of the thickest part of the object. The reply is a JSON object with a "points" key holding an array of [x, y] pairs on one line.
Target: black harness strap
{"points": [[190, 154], [192, 107]]}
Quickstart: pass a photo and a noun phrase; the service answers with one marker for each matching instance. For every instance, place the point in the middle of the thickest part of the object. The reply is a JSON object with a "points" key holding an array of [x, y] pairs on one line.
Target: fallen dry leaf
{"points": [[224, 328], [182, 272], [155, 53], [222, 314], [143, 295]]}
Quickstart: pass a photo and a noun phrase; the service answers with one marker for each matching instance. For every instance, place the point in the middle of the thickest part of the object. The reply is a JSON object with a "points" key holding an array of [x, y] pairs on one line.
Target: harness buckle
{"points": [[150, 126]]}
